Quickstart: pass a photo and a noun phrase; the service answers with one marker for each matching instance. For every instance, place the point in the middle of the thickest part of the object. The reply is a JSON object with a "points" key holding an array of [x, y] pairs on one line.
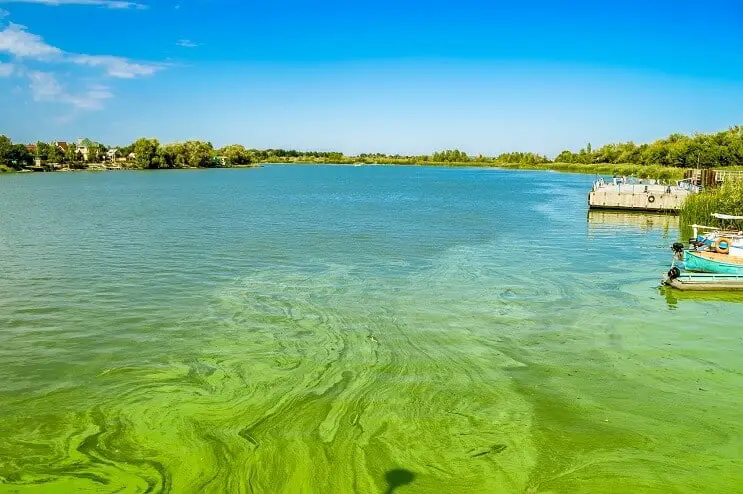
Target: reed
{"points": [[725, 199], [641, 171]]}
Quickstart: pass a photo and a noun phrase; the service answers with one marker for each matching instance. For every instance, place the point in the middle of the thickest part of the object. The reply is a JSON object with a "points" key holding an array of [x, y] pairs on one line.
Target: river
{"points": [[354, 329]]}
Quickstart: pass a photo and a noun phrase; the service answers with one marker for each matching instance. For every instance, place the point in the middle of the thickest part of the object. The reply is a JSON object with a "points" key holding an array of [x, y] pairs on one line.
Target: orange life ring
{"points": [[719, 245]]}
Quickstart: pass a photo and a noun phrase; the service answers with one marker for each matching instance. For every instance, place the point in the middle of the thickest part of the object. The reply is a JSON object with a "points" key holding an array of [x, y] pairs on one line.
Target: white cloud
{"points": [[119, 67], [186, 43], [111, 4], [45, 87], [23, 45], [6, 69], [15, 40], [4, 13]]}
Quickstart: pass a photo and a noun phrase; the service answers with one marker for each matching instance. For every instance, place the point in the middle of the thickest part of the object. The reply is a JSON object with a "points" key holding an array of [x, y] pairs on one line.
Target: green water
{"points": [[346, 329]]}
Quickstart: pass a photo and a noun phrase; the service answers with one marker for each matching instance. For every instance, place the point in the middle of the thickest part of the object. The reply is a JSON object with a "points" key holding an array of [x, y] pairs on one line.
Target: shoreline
{"points": [[640, 171]]}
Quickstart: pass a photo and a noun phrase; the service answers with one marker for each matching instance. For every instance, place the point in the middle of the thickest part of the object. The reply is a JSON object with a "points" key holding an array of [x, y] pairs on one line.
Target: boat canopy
{"points": [[726, 216]]}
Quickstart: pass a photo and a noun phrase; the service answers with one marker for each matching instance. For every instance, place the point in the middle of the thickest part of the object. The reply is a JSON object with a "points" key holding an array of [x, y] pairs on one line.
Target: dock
{"points": [[620, 194]]}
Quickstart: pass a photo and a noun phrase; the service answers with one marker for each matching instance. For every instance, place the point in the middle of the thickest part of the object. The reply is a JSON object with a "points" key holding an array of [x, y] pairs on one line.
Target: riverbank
{"points": [[725, 199], [640, 171], [657, 172]]}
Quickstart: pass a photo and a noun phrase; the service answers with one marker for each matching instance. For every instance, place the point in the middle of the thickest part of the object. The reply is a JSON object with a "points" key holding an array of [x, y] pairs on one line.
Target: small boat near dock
{"points": [[707, 282], [713, 261]]}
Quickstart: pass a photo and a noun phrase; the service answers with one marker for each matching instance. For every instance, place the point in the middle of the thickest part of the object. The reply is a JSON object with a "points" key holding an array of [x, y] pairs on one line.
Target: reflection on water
{"points": [[674, 297], [598, 219]]}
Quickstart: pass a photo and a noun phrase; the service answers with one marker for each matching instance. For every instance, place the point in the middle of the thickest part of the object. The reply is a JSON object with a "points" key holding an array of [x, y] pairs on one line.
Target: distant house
{"points": [[31, 148], [62, 145], [81, 149], [132, 156], [112, 154]]}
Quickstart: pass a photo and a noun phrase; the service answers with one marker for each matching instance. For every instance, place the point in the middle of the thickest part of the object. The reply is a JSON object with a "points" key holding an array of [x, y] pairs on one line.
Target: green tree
{"points": [[55, 154], [42, 150], [173, 155], [451, 156], [71, 154], [5, 146], [147, 153], [199, 153], [236, 154], [95, 151], [18, 156]]}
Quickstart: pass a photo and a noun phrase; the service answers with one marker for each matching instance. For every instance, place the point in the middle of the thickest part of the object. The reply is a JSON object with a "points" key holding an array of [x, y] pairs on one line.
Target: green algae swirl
{"points": [[353, 330]]}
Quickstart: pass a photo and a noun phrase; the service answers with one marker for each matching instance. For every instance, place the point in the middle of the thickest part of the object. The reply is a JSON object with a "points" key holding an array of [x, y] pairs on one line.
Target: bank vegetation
{"points": [[666, 158]]}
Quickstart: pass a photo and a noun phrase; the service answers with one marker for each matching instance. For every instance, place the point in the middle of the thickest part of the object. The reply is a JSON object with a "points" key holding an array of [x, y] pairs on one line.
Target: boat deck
{"points": [[707, 282], [714, 256]]}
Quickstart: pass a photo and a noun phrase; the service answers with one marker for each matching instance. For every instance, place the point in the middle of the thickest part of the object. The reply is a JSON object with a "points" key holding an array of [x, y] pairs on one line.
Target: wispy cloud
{"points": [[119, 67], [186, 43], [110, 4], [45, 87], [4, 13], [6, 69], [28, 48], [17, 41]]}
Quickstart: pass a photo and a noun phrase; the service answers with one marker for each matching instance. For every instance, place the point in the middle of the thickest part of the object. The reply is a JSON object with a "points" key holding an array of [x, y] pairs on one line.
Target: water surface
{"points": [[353, 329]]}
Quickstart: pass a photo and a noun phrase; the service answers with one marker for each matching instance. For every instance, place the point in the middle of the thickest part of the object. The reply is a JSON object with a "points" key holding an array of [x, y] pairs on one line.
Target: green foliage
{"points": [[698, 151], [42, 150], [450, 155], [725, 199], [521, 158], [199, 154], [147, 153], [14, 156], [235, 154], [663, 159], [55, 155], [95, 151], [70, 154], [186, 154]]}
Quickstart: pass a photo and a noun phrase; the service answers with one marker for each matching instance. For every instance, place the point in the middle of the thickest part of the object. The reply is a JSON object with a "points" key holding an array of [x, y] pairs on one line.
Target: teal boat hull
{"points": [[697, 263]]}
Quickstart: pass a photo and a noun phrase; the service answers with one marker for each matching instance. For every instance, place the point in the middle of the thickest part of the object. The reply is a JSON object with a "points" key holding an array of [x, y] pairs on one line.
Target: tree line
{"points": [[719, 149], [715, 150]]}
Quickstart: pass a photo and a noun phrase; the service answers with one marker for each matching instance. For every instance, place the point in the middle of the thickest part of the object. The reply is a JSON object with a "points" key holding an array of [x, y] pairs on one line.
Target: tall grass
{"points": [[641, 171], [657, 172], [725, 199]]}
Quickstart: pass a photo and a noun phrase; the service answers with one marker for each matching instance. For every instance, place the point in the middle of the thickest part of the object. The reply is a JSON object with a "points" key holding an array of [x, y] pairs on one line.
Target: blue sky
{"points": [[384, 76]]}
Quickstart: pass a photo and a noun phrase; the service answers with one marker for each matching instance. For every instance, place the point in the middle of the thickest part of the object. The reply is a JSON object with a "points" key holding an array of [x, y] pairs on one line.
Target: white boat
{"points": [[711, 236]]}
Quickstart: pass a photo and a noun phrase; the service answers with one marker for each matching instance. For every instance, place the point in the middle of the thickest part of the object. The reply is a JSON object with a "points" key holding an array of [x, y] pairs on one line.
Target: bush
{"points": [[726, 199]]}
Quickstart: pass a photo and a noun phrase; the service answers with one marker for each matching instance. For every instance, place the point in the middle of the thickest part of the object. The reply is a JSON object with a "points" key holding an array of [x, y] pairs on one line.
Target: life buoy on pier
{"points": [[723, 245], [651, 199]]}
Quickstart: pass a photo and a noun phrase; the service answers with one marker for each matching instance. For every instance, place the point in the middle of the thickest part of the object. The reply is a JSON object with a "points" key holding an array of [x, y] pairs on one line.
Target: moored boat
{"points": [[704, 282], [709, 235], [712, 262], [717, 251]]}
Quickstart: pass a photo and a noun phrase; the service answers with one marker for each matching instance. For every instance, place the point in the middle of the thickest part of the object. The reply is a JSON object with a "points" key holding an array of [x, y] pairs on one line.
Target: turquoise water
{"points": [[353, 329]]}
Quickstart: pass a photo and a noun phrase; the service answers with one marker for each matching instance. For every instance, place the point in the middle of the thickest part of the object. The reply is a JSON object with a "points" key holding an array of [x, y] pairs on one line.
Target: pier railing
{"points": [[712, 177]]}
